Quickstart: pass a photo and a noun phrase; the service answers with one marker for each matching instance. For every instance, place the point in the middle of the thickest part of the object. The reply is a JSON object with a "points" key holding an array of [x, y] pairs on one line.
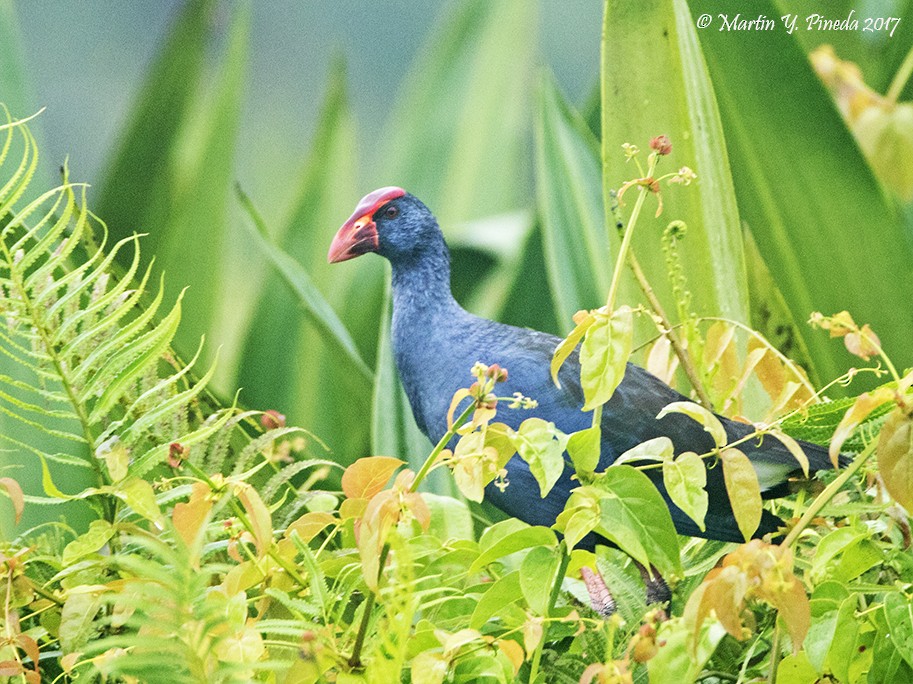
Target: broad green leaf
{"points": [[135, 192], [676, 663], [429, 668], [517, 540], [898, 610], [634, 515], [196, 236], [537, 577], [17, 93], [450, 518], [656, 449], [828, 548], [895, 457], [569, 198], [503, 592], [842, 650], [797, 192], [697, 412], [284, 354], [139, 495], [307, 298], [743, 490], [457, 135], [584, 448], [76, 618], [604, 355], [796, 669], [655, 81], [541, 445], [820, 635], [98, 534], [579, 517], [685, 478]]}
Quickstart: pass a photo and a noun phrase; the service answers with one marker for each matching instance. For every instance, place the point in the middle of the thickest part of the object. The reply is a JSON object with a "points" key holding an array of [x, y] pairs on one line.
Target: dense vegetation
{"points": [[204, 540]]}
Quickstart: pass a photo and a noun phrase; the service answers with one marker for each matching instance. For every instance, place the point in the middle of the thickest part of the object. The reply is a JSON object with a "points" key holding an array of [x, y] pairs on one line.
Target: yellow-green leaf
{"points": [[98, 534], [189, 517], [703, 416], [259, 516], [604, 355], [367, 476], [584, 448], [685, 478], [743, 489], [139, 496], [895, 457], [656, 449], [541, 445], [855, 414], [14, 492], [569, 343]]}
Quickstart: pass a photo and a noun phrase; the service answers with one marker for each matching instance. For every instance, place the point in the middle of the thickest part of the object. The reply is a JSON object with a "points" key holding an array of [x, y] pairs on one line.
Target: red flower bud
{"points": [[272, 419], [176, 453], [661, 145]]}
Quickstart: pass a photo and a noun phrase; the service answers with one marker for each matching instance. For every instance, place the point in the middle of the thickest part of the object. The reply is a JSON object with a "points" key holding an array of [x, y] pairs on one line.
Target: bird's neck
{"points": [[421, 287]]}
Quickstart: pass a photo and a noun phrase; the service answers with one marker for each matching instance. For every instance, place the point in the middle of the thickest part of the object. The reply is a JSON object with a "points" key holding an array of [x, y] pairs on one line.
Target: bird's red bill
{"points": [[358, 234]]}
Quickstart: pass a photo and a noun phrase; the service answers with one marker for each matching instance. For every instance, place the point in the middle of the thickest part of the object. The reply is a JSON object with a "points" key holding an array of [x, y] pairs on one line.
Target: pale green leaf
{"points": [[685, 478], [703, 416], [604, 355], [743, 490], [541, 445]]}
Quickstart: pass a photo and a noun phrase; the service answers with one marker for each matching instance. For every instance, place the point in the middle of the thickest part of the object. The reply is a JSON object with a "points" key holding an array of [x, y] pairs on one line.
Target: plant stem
{"points": [[626, 240], [829, 492], [774, 655], [439, 447], [355, 658], [552, 599], [245, 521], [671, 334], [900, 78]]}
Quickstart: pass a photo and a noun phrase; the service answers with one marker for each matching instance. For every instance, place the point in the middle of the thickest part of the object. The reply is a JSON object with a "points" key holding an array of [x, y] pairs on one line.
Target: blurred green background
{"points": [[490, 112]]}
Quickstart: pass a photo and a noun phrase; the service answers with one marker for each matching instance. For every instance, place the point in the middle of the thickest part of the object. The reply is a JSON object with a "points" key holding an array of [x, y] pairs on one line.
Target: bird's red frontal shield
{"points": [[358, 234]]}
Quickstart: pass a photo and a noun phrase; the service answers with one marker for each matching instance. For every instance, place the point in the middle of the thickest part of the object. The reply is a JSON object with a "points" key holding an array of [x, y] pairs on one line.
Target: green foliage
{"points": [[211, 548]]}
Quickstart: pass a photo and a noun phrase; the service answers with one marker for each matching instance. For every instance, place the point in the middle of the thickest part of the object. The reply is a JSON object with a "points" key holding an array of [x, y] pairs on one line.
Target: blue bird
{"points": [[436, 342]]}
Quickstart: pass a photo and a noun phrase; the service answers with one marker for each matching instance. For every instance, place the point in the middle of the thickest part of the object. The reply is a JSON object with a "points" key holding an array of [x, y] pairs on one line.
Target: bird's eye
{"points": [[391, 212]]}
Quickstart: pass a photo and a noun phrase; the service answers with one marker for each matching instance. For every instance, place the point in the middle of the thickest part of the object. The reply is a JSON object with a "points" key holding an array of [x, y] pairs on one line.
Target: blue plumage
{"points": [[436, 342]]}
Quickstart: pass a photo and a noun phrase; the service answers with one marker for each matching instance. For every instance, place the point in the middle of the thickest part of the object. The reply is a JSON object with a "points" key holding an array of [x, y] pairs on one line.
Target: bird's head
{"points": [[388, 221]]}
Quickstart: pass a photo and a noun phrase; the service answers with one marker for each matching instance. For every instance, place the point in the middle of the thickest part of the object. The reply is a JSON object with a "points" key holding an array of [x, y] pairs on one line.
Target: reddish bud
{"points": [[272, 419], [496, 373], [661, 145], [177, 452]]}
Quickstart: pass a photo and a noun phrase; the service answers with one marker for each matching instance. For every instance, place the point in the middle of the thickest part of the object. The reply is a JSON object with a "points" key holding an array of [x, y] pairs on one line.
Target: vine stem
{"points": [[829, 492], [626, 240], [246, 523], [670, 333], [552, 599], [439, 447], [774, 655], [355, 658]]}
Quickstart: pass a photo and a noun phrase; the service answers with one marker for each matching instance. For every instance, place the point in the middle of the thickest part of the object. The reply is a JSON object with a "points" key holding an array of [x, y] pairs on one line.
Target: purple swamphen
{"points": [[436, 342]]}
